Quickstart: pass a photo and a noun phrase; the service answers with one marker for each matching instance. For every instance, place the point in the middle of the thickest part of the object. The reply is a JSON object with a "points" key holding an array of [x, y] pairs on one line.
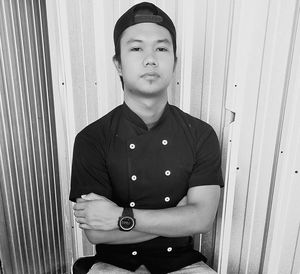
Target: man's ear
{"points": [[117, 65]]}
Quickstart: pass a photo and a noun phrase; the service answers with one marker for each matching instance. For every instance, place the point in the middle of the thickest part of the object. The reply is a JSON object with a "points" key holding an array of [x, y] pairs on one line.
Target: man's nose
{"points": [[150, 60]]}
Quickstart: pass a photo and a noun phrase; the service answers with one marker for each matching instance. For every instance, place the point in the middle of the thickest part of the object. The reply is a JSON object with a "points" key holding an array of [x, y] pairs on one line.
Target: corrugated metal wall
{"points": [[237, 69], [260, 232], [32, 235]]}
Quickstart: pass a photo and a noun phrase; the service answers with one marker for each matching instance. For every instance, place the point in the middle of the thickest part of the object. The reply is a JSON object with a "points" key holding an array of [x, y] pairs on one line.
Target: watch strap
{"points": [[127, 211]]}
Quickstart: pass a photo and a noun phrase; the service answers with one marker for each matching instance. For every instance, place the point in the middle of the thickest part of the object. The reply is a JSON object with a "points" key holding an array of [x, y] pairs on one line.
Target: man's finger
{"points": [[79, 213], [80, 200], [80, 220], [84, 226], [79, 206]]}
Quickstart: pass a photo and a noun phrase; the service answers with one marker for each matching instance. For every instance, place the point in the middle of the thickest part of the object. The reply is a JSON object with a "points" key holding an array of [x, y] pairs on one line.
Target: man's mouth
{"points": [[150, 75]]}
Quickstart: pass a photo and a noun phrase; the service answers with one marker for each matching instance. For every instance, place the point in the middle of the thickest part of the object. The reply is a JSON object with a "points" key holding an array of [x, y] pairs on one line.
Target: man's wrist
{"points": [[119, 211], [126, 221]]}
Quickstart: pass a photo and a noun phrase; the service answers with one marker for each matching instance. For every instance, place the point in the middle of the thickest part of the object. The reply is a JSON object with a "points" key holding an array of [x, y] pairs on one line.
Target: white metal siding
{"points": [[283, 237], [263, 65]]}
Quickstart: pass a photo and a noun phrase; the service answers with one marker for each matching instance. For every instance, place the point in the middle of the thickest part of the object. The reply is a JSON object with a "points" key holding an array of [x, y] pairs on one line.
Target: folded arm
{"points": [[117, 236], [99, 218]]}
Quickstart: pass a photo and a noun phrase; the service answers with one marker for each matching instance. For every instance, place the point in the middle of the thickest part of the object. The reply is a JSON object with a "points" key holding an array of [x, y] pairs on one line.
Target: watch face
{"points": [[127, 223]]}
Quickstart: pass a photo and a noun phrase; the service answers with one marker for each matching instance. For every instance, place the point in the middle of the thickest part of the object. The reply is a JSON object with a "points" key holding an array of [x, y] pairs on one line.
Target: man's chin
{"points": [[151, 92], [147, 91]]}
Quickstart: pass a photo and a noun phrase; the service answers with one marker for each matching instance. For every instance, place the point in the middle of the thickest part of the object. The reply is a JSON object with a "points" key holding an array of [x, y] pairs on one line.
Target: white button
{"points": [[132, 146], [167, 199], [134, 253], [133, 178], [167, 172], [164, 142], [169, 249], [132, 204]]}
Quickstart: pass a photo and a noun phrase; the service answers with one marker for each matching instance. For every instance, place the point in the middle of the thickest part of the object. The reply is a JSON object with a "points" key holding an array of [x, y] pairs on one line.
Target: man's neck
{"points": [[148, 109]]}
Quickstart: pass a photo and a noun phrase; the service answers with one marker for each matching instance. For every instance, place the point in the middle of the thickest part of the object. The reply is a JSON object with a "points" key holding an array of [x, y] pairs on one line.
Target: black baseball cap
{"points": [[144, 12]]}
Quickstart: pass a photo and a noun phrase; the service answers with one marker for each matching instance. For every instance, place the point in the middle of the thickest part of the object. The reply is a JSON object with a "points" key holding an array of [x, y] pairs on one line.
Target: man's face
{"points": [[147, 59]]}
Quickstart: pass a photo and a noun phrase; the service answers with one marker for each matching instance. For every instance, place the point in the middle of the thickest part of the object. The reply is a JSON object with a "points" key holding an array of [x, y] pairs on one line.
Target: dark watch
{"points": [[126, 221]]}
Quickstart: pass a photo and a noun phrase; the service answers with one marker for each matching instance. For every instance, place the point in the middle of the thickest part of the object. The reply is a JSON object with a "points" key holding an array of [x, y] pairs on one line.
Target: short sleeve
{"points": [[207, 167], [89, 172]]}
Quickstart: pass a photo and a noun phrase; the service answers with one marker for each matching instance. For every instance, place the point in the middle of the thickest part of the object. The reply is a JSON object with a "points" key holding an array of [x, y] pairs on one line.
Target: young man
{"points": [[146, 177]]}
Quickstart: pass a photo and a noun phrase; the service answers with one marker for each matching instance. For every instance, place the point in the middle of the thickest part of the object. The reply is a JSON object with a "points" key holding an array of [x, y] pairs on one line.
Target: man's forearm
{"points": [[117, 237], [171, 222], [196, 216]]}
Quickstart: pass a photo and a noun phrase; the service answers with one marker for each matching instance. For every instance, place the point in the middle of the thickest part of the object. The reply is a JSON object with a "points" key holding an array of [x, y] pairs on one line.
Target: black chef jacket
{"points": [[119, 158]]}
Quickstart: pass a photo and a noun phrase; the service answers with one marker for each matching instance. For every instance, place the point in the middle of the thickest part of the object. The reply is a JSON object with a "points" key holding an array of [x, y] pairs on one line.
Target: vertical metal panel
{"points": [[259, 81], [282, 253], [64, 114], [29, 169]]}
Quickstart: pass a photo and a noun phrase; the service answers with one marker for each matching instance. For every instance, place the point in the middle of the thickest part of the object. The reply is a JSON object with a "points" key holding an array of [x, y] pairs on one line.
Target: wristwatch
{"points": [[126, 221]]}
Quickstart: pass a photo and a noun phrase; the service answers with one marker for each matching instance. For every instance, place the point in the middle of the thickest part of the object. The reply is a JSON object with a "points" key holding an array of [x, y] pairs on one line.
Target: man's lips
{"points": [[150, 75]]}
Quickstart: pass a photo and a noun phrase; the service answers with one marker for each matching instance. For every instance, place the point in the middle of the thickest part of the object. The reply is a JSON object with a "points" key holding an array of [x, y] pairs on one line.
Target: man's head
{"points": [[142, 13]]}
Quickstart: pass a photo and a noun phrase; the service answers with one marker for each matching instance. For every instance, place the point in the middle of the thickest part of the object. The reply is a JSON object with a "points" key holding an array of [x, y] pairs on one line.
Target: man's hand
{"points": [[96, 212]]}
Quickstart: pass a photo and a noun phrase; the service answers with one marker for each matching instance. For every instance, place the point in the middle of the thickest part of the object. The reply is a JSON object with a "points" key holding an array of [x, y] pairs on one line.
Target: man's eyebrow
{"points": [[134, 41], [167, 41]]}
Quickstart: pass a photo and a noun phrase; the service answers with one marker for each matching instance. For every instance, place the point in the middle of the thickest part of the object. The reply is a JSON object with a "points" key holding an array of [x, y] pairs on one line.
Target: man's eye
{"points": [[162, 49], [135, 49]]}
